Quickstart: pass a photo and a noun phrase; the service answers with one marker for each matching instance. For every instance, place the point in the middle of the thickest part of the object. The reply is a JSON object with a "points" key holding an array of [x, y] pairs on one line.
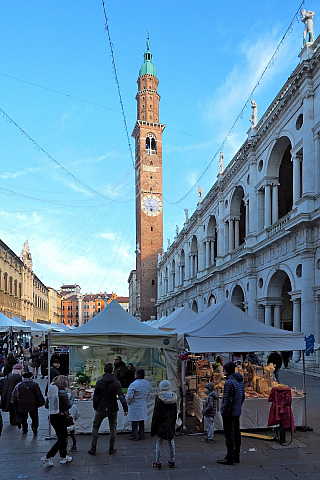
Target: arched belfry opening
{"points": [[151, 145]]}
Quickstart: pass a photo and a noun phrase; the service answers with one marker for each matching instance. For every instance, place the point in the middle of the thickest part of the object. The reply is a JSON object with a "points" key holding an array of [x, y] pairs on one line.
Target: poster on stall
{"points": [[91, 361]]}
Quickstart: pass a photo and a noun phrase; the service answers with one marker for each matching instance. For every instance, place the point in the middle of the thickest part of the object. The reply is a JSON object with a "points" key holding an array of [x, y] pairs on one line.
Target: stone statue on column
{"points": [[221, 163], [307, 19], [177, 230], [254, 117], [186, 212], [168, 240], [200, 194], [159, 257]]}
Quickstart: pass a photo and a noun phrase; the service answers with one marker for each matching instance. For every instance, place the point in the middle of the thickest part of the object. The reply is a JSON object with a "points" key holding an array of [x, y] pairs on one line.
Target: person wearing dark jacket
{"points": [[120, 370], [164, 422], [59, 404], [2, 362], [105, 405], [233, 397], [210, 408], [6, 404], [53, 372], [11, 361], [44, 361], [29, 398], [35, 361], [130, 374], [276, 359]]}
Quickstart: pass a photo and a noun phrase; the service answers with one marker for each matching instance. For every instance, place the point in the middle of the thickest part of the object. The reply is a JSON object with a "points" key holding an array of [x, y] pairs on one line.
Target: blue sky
{"points": [[58, 86]]}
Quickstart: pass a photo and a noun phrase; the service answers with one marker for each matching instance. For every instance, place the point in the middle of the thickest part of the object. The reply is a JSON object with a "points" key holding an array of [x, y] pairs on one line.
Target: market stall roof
{"points": [[37, 327], [114, 326], [18, 321], [223, 327], [7, 324], [181, 317]]}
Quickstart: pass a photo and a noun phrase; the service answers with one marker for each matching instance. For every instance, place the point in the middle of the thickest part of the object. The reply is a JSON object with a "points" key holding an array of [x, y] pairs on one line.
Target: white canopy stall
{"points": [[223, 327], [113, 326], [180, 317]]}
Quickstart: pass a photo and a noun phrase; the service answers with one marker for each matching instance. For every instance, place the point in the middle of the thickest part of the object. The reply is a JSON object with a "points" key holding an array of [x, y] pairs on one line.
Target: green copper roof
{"points": [[148, 66]]}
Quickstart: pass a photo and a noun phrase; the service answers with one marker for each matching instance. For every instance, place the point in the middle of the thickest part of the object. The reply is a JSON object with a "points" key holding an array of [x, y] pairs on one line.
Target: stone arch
{"points": [[173, 273], [211, 300], [238, 213], [280, 167], [182, 266], [279, 299], [212, 239], [151, 143], [193, 256], [194, 306], [237, 297]]}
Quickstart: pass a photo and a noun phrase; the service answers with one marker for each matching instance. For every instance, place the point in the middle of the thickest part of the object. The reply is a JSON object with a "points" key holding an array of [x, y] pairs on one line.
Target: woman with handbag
{"points": [[59, 405]]}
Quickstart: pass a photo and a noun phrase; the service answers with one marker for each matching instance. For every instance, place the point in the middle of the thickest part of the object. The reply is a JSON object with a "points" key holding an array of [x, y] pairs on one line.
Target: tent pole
{"points": [[183, 380], [304, 389]]}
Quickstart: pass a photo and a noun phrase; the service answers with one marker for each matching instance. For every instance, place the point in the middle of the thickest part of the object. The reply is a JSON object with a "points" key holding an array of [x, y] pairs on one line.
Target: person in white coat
{"points": [[136, 398]]}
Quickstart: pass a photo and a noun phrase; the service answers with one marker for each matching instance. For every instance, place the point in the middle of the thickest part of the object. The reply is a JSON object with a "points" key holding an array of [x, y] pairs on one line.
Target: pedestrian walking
{"points": [[105, 404], [6, 403], [164, 422], [44, 361], [35, 361], [210, 408], [26, 352], [136, 398], [233, 397], [53, 372], [276, 359], [28, 398], [11, 361], [59, 404]]}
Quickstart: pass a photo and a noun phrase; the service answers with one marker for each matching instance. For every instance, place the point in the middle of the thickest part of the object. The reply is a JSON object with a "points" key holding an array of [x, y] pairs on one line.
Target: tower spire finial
{"points": [[148, 41]]}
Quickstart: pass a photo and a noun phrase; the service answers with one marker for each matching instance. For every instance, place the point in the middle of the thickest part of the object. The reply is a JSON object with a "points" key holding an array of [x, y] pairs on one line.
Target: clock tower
{"points": [[148, 184]]}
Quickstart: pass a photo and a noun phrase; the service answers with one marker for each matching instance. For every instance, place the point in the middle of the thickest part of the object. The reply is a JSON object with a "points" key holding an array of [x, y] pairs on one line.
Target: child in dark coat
{"points": [[164, 421], [210, 409]]}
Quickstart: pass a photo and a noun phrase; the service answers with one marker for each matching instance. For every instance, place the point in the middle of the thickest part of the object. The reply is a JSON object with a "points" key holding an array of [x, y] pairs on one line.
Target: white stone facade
{"points": [[255, 238]]}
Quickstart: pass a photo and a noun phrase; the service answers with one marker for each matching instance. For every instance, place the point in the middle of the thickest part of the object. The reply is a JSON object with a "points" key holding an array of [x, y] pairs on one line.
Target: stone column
{"points": [[308, 179], [268, 315], [177, 274], [201, 258], [180, 275], [267, 206], [277, 316], [231, 235], [247, 219], [207, 254], [308, 320], [188, 264], [317, 161], [296, 178], [275, 207], [236, 233], [212, 251], [317, 335], [296, 325]]}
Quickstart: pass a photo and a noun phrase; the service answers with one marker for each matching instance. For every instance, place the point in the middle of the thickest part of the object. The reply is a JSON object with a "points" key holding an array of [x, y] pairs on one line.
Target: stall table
{"points": [[85, 420], [255, 412]]}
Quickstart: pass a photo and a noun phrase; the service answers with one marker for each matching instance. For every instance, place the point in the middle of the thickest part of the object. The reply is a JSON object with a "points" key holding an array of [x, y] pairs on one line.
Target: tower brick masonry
{"points": [[149, 216]]}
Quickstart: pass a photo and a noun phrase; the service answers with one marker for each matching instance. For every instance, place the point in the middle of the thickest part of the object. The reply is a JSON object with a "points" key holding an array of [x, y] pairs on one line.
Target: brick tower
{"points": [[149, 220]]}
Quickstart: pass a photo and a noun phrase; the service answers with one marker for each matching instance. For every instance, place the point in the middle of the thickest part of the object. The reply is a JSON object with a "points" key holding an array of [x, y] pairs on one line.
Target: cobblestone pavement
{"points": [[260, 459]]}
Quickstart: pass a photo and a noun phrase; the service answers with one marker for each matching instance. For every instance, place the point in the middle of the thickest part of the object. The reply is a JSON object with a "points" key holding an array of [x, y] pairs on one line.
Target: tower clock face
{"points": [[151, 205]]}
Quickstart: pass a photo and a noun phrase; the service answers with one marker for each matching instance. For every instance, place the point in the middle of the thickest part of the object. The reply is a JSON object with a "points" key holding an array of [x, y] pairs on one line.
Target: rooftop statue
{"points": [[254, 117], [187, 215], [177, 230], [200, 194], [221, 163], [307, 19]]}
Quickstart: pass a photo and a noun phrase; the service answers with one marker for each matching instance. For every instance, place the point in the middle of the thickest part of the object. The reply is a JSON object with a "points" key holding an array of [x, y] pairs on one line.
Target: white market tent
{"points": [[18, 321], [181, 317], [7, 325], [223, 327], [114, 326], [37, 327]]}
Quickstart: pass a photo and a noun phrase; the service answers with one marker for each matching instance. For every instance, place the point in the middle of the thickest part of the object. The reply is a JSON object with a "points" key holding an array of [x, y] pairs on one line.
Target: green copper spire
{"points": [[148, 66]]}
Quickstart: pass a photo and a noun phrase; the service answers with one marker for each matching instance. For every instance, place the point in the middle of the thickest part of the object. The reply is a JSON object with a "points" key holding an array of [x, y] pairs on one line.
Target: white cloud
{"points": [[107, 236], [19, 173], [191, 178]]}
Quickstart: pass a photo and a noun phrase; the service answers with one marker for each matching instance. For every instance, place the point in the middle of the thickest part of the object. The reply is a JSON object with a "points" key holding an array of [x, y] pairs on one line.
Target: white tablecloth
{"points": [[85, 420], [255, 412]]}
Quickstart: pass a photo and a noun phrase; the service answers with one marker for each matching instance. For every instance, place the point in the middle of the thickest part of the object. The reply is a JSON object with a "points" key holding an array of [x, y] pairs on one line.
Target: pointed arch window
{"points": [[151, 144]]}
